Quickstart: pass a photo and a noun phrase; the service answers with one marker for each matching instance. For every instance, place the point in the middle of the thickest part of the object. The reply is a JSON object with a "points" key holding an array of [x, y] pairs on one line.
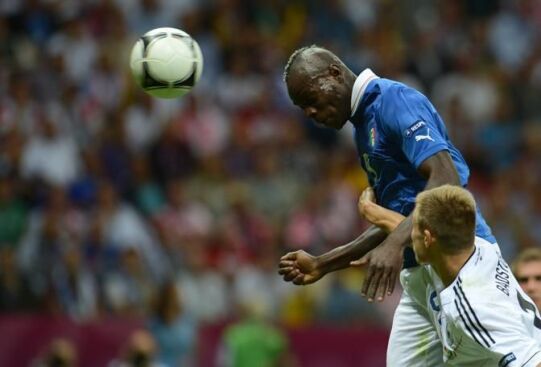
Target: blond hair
{"points": [[525, 256], [449, 213]]}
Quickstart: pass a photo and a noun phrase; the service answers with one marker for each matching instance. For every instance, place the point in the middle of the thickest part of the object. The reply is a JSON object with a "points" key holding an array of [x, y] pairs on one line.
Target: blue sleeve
{"points": [[411, 121]]}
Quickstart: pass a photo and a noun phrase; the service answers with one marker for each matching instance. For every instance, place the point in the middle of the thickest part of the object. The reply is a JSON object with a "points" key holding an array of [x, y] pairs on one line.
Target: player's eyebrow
{"points": [[304, 95], [526, 278]]}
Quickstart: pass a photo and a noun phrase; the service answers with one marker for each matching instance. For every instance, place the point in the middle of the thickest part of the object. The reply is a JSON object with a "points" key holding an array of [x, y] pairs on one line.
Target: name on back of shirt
{"points": [[502, 277]]}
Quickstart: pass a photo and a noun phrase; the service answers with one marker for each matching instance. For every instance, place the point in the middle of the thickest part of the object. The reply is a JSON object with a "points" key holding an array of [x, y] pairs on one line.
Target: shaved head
{"points": [[320, 84], [310, 61]]}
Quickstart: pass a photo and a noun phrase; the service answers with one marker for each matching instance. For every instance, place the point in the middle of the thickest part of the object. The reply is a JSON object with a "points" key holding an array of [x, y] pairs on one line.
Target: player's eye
{"points": [[522, 280], [308, 99], [312, 101]]}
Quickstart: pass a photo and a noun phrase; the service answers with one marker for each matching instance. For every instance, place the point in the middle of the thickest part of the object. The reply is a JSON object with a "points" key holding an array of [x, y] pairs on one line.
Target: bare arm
{"points": [[340, 257], [383, 266], [302, 268], [438, 170], [384, 260], [381, 217]]}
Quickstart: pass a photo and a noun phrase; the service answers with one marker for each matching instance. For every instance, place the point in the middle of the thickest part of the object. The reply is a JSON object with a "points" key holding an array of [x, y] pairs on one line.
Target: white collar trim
{"points": [[359, 87]]}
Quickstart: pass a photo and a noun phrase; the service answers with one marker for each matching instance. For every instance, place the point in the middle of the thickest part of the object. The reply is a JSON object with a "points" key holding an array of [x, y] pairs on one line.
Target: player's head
{"points": [[443, 222], [527, 270], [61, 352], [320, 84]]}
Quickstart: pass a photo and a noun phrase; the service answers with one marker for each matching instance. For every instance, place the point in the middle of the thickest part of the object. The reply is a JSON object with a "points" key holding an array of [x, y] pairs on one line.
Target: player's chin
{"points": [[335, 123], [420, 259]]}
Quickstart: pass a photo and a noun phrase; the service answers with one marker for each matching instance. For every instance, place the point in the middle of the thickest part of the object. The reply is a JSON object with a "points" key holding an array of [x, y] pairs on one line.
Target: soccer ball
{"points": [[166, 62]]}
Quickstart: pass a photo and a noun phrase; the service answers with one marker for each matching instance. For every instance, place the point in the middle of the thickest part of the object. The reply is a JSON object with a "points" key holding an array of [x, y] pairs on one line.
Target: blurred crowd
{"points": [[116, 203]]}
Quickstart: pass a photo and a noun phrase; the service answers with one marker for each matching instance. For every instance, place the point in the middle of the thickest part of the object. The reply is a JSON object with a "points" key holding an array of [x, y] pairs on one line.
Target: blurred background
{"points": [[143, 232]]}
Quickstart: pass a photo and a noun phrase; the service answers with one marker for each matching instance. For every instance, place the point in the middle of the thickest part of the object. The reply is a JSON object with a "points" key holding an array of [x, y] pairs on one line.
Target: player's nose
{"points": [[310, 112]]}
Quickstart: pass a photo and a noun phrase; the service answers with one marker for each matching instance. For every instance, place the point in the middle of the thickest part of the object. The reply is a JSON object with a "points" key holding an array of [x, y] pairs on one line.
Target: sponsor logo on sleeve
{"points": [[506, 359], [413, 128], [424, 137]]}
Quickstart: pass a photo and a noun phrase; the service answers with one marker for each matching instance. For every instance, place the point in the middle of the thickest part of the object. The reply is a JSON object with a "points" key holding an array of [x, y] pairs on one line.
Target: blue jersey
{"points": [[396, 130]]}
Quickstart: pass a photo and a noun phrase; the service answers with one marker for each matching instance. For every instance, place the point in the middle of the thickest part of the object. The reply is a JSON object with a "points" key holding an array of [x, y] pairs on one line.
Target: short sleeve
{"points": [[411, 121], [498, 328]]}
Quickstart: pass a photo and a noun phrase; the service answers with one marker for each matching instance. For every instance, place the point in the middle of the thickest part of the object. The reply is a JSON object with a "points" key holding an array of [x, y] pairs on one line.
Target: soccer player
{"points": [[403, 146], [527, 270], [485, 318], [481, 313]]}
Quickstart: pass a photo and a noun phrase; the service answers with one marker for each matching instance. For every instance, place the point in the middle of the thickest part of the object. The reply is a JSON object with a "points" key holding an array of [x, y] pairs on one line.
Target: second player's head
{"points": [[320, 84], [443, 222], [527, 270]]}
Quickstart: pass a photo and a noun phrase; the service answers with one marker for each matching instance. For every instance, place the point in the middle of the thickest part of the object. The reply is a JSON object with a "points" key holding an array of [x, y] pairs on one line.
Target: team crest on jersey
{"points": [[413, 128], [432, 300], [372, 137]]}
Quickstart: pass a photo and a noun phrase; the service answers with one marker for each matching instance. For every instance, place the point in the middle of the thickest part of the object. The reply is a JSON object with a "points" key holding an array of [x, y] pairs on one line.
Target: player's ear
{"points": [[334, 70], [428, 238]]}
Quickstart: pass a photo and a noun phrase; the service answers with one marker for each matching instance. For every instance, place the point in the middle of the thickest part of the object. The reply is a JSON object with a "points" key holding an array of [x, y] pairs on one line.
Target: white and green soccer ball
{"points": [[166, 62]]}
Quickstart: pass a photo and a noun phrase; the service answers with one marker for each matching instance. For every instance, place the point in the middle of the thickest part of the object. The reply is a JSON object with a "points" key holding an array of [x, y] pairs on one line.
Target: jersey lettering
{"points": [[528, 306], [502, 277], [413, 128]]}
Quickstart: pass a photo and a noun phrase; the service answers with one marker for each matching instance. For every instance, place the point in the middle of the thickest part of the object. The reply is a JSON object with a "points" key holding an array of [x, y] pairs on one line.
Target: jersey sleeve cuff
{"points": [[429, 153]]}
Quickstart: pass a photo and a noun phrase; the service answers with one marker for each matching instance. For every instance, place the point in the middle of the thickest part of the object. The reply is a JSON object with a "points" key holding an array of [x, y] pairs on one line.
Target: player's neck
{"points": [[448, 266]]}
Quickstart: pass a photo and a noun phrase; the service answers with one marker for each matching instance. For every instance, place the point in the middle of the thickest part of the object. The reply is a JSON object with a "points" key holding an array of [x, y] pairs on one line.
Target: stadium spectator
{"points": [[205, 290], [50, 156], [129, 287], [174, 329], [74, 285], [254, 340], [121, 226], [60, 352], [16, 294], [13, 212], [50, 229], [140, 351], [527, 269]]}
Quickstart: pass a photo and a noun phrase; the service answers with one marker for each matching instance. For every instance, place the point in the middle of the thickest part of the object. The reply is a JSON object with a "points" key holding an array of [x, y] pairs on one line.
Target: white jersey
{"points": [[484, 318]]}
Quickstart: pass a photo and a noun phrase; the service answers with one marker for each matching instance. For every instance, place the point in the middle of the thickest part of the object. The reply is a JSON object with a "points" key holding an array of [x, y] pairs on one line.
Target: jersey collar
{"points": [[359, 87]]}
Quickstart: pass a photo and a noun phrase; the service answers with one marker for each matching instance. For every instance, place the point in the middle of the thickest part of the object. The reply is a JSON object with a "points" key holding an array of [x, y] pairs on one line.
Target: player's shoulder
{"points": [[400, 102], [472, 302], [486, 277], [395, 91]]}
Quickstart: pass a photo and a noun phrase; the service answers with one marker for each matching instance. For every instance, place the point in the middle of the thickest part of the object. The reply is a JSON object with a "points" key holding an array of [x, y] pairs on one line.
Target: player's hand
{"points": [[366, 198], [383, 264], [300, 268]]}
